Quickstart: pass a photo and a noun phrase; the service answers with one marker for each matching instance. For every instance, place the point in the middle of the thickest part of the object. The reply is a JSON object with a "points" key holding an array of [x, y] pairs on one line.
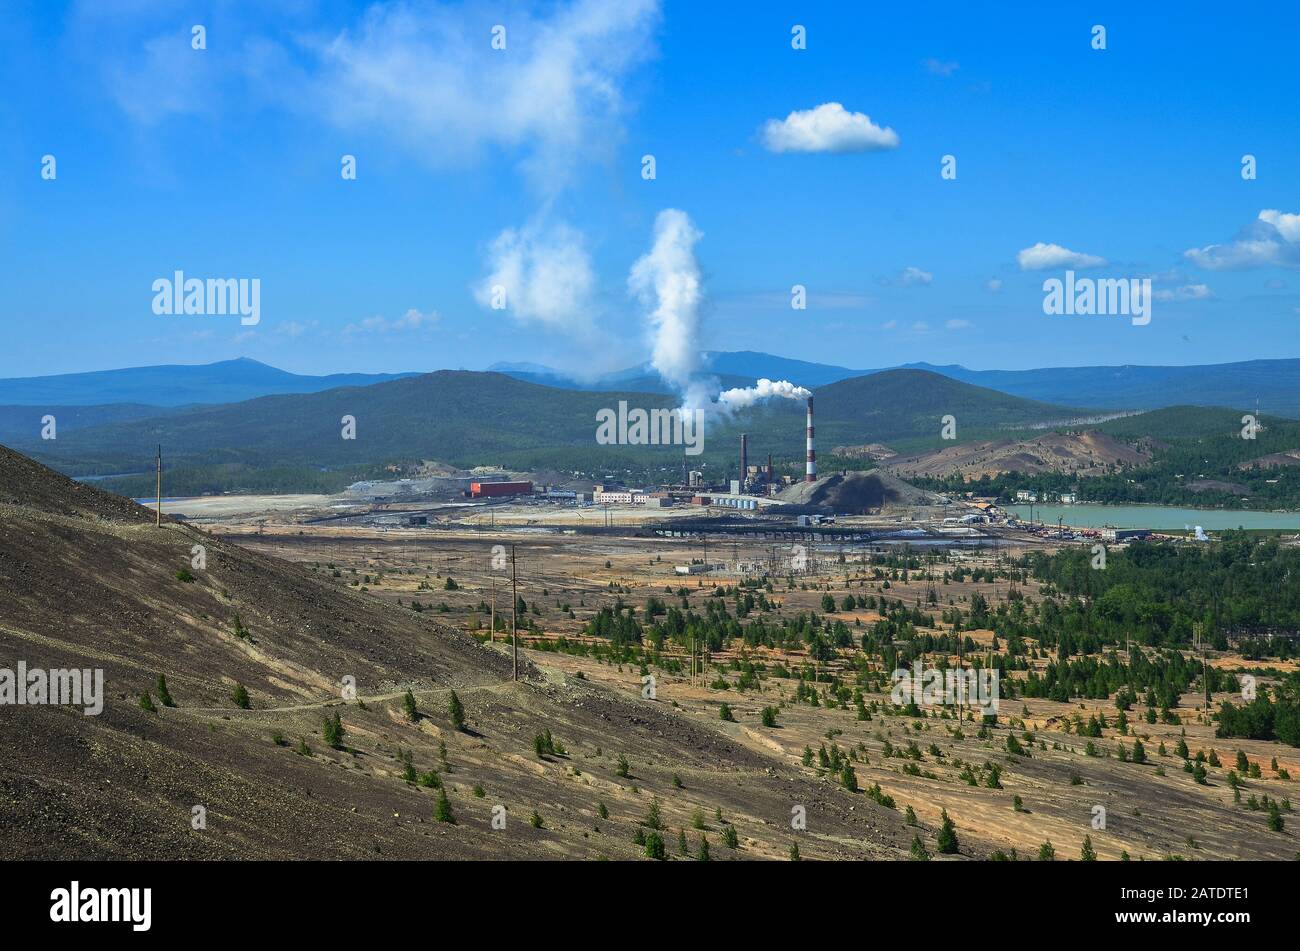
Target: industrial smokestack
{"points": [[811, 475], [744, 458], [770, 482]]}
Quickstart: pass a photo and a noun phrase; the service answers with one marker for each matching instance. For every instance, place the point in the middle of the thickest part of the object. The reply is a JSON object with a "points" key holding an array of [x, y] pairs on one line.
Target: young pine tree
{"points": [[333, 731], [1087, 853], [654, 847], [163, 694], [442, 811], [456, 711], [918, 853], [947, 842]]}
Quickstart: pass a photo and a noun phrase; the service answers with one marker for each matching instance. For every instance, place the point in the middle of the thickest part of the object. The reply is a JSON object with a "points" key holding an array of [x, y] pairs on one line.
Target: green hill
{"points": [[294, 442]]}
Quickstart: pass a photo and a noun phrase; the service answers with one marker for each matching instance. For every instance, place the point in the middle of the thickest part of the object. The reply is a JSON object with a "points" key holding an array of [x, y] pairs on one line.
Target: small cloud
{"points": [[410, 322], [244, 336], [1184, 293], [914, 275], [1042, 256], [893, 324], [957, 324], [293, 329], [939, 67], [1275, 284], [921, 327], [827, 128], [993, 285]]}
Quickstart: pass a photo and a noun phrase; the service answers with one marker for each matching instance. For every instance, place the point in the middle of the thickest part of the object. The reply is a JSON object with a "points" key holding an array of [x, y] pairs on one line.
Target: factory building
{"points": [[698, 568], [493, 490], [1125, 534], [736, 501]]}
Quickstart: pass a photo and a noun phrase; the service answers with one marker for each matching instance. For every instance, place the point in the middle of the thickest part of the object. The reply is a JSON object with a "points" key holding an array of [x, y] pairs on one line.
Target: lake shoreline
{"points": [[1156, 517]]}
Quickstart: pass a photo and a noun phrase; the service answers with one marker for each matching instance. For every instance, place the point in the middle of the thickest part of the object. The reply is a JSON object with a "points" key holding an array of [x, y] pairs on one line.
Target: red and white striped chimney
{"points": [[811, 475]]}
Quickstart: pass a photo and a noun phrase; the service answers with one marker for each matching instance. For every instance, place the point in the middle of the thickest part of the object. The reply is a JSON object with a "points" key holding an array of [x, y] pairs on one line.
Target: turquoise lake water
{"points": [[1155, 517]]}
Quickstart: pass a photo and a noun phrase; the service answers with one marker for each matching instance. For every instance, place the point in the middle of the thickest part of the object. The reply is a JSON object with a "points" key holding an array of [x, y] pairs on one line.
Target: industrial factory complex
{"points": [[757, 485]]}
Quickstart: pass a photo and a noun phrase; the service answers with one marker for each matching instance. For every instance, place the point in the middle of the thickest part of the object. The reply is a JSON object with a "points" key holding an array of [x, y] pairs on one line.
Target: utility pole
{"points": [[158, 515], [1198, 643], [961, 683], [492, 624], [514, 636]]}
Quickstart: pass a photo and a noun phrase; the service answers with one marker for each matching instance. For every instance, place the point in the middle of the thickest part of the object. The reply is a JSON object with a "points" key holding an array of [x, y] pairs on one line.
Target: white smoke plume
{"points": [[744, 396], [667, 281], [544, 275]]}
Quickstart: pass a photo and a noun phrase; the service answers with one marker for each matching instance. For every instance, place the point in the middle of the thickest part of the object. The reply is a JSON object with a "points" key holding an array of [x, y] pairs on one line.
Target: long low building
{"points": [[493, 490], [698, 568]]}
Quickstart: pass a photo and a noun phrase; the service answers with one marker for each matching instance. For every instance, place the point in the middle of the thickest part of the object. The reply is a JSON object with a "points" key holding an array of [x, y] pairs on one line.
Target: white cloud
{"points": [[939, 67], [1184, 293], [957, 324], [418, 73], [1271, 240], [410, 322], [426, 75], [921, 327], [546, 275], [1288, 225], [889, 325], [293, 328], [914, 275], [163, 78], [1042, 256], [827, 128], [993, 285]]}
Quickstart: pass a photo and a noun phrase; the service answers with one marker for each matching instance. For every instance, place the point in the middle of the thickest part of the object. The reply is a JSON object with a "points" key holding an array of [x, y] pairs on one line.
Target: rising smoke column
{"points": [[667, 282]]}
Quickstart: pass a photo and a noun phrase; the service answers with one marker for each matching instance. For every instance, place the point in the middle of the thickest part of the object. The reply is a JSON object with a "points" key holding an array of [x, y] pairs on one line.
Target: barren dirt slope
{"points": [[87, 581]]}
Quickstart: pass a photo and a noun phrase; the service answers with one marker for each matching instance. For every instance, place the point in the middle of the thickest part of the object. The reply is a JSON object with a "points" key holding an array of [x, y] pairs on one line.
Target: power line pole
{"points": [[514, 636], [1199, 628], [158, 515], [492, 624], [961, 683]]}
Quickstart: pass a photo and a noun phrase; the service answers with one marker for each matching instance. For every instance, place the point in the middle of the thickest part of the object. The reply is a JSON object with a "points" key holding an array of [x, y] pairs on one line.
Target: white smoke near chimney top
{"points": [[667, 282], [744, 396]]}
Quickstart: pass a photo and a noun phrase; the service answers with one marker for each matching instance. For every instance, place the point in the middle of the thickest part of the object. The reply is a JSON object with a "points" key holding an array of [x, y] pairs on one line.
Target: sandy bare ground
{"points": [[1147, 814]]}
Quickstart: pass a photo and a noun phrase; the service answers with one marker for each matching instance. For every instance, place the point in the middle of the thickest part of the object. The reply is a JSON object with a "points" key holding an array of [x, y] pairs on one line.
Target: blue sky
{"points": [[225, 162]]}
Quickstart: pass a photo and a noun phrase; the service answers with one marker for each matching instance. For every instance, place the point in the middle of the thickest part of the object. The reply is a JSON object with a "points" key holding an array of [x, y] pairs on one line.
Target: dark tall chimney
{"points": [[744, 458], [811, 474]]}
